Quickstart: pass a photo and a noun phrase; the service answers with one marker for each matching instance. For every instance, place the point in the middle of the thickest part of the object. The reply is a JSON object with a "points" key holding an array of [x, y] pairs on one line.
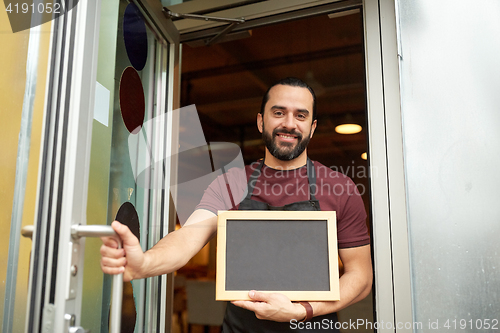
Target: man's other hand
{"points": [[272, 306], [128, 260]]}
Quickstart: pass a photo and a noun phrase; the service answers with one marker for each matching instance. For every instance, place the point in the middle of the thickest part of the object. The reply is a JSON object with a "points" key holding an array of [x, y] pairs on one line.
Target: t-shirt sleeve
{"points": [[352, 230], [225, 192]]}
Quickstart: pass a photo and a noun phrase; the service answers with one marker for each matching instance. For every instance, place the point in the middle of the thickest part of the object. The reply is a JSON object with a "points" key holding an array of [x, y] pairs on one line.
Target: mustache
{"points": [[285, 131]]}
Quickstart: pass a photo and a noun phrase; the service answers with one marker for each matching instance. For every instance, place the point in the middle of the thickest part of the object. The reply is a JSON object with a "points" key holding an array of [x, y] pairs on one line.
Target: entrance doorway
{"points": [[226, 82], [233, 76]]}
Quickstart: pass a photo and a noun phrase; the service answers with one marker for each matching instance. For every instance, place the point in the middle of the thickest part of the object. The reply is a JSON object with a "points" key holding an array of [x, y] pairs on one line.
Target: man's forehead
{"points": [[291, 93]]}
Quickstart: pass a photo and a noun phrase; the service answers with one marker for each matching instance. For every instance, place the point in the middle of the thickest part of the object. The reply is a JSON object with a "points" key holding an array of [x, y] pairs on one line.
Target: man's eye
{"points": [[278, 113]]}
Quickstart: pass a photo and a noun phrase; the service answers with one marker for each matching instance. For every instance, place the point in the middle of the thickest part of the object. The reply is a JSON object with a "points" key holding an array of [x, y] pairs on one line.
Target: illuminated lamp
{"points": [[348, 126]]}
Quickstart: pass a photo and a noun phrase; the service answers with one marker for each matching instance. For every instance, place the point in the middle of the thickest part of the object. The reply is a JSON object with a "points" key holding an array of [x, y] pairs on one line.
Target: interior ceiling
{"points": [[226, 82]]}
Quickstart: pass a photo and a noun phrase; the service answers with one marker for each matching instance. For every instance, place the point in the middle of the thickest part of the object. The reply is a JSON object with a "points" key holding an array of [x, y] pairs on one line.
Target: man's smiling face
{"points": [[287, 124]]}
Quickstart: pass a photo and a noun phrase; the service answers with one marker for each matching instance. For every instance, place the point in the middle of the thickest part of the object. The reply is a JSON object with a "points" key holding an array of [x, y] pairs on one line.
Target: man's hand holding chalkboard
{"points": [[272, 306], [355, 285]]}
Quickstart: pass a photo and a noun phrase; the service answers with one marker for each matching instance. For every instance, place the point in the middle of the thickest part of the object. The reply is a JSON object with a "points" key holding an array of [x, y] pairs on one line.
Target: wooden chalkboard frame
{"points": [[329, 217]]}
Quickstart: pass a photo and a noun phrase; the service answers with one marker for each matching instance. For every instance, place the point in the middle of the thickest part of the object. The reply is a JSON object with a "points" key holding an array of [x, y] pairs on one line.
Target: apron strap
{"points": [[311, 176], [253, 179]]}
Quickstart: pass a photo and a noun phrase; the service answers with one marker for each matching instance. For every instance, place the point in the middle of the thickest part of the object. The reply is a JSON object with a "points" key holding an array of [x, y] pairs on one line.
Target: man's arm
{"points": [[169, 254], [355, 285]]}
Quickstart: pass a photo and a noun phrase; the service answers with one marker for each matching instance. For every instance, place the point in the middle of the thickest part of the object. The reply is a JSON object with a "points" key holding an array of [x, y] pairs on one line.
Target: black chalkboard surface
{"points": [[294, 253]]}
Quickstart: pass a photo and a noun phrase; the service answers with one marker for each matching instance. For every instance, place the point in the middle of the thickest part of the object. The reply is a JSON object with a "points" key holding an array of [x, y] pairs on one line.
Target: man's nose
{"points": [[289, 121]]}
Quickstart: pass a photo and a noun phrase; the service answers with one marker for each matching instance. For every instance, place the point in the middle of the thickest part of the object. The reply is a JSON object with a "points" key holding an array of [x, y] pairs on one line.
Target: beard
{"points": [[287, 151]]}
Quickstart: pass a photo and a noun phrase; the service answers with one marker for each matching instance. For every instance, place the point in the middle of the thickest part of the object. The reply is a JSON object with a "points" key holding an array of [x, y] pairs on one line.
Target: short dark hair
{"points": [[293, 82]]}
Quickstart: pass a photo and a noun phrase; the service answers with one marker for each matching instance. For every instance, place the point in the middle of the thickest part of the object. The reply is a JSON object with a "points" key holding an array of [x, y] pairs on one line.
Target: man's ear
{"points": [[260, 121], [313, 127]]}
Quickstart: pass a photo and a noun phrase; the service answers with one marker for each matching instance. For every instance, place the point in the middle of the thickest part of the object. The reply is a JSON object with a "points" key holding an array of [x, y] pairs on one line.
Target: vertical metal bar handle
{"points": [[78, 231]]}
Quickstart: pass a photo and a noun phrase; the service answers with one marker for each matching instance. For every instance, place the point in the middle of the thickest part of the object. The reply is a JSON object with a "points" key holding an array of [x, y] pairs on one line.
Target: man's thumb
{"points": [[127, 237], [258, 296]]}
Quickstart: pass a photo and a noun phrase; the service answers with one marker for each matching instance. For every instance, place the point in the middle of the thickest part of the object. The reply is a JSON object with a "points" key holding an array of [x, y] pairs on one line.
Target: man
{"points": [[287, 122]]}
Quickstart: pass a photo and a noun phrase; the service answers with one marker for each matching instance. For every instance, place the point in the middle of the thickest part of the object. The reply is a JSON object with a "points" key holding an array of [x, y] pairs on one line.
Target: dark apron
{"points": [[239, 320]]}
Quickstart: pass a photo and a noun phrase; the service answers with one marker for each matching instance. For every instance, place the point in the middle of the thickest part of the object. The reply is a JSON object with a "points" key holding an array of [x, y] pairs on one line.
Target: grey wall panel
{"points": [[450, 93]]}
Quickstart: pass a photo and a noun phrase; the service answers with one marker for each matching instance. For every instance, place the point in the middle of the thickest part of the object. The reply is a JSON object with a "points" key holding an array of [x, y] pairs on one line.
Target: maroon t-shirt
{"points": [[334, 191]]}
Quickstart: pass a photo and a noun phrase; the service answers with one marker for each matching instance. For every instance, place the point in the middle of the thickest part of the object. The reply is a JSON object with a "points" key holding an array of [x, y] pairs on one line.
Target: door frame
{"points": [[393, 297], [390, 246]]}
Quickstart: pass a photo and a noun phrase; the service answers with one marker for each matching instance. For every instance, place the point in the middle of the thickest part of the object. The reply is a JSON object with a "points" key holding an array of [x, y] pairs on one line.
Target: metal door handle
{"points": [[78, 231], [27, 231]]}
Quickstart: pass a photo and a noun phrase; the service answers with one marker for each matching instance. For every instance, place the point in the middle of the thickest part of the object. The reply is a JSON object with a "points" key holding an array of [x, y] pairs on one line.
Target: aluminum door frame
{"points": [[385, 145]]}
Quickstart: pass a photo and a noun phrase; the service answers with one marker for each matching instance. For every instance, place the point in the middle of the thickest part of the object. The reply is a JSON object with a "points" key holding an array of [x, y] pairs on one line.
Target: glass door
{"points": [[125, 95], [110, 75]]}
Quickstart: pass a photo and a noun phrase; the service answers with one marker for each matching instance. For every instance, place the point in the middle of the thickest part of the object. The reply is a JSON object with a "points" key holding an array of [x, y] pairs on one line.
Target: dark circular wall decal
{"points": [[129, 309], [128, 215], [132, 102], [135, 36]]}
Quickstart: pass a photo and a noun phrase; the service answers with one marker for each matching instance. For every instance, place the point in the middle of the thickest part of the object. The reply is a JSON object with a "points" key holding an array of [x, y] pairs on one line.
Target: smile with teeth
{"points": [[286, 136]]}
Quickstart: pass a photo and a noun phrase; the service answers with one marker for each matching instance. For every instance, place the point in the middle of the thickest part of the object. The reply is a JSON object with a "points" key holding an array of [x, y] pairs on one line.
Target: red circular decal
{"points": [[132, 102]]}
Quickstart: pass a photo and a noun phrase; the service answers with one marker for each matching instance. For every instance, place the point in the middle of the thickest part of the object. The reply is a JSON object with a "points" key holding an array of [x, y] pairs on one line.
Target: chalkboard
{"points": [[293, 253]]}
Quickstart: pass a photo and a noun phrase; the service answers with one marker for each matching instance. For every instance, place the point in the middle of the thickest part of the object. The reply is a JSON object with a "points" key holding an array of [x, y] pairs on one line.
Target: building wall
{"points": [[450, 84], [13, 53]]}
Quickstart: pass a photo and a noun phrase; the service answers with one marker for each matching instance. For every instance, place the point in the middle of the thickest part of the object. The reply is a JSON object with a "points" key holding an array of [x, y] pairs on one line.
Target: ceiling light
{"points": [[364, 156], [348, 126], [348, 129]]}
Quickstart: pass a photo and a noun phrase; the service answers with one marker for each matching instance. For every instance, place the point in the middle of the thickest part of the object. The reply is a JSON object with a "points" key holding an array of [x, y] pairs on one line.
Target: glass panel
{"points": [[19, 162], [124, 100], [450, 81]]}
